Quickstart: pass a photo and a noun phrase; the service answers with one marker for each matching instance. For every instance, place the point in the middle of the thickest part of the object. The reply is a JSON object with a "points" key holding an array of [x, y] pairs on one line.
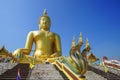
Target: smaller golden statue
{"points": [[47, 44]]}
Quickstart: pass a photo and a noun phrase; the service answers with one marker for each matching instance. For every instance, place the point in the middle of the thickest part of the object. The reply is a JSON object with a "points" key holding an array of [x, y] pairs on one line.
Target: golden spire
{"points": [[80, 41], [87, 43], [45, 12], [73, 42]]}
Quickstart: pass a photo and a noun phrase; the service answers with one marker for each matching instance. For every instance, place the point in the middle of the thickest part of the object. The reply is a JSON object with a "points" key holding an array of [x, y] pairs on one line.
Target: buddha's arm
{"points": [[58, 50], [29, 43], [28, 46]]}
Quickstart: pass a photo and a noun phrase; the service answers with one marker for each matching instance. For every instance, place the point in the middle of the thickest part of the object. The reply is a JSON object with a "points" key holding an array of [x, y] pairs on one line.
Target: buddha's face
{"points": [[44, 23]]}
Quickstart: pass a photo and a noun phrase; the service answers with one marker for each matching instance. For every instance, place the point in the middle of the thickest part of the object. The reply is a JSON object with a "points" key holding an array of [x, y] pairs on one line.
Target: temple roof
{"points": [[3, 50]]}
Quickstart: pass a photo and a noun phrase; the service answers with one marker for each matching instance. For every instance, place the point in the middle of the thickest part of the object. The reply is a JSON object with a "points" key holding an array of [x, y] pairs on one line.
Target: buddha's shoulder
{"points": [[37, 32], [55, 34], [33, 32]]}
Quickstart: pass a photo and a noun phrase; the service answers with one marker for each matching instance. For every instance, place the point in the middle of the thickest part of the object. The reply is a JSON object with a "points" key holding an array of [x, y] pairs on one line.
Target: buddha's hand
{"points": [[17, 53]]}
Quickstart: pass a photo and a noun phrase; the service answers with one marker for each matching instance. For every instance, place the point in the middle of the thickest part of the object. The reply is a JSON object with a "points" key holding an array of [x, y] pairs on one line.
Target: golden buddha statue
{"points": [[47, 44]]}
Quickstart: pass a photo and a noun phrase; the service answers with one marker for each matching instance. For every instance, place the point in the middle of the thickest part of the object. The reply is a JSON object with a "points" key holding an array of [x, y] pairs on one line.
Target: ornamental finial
{"points": [[73, 42], [45, 12], [80, 41], [87, 43]]}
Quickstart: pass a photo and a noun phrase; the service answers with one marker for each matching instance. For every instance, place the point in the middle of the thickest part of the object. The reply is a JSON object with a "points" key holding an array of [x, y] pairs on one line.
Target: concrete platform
{"points": [[46, 72], [51, 72]]}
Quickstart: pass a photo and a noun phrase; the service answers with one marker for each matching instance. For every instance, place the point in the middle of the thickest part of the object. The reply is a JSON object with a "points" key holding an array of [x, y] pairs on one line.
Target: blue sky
{"points": [[98, 20]]}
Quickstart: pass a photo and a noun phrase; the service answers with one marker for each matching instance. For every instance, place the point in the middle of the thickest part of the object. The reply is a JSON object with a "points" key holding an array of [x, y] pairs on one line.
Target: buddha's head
{"points": [[44, 21]]}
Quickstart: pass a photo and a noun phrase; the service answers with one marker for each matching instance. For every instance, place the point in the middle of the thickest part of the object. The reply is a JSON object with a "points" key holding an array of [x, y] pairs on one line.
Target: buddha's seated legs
{"points": [[23, 58], [30, 59]]}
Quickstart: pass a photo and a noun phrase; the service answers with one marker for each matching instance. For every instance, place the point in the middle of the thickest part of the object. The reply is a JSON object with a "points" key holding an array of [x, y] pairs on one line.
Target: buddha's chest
{"points": [[44, 36]]}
